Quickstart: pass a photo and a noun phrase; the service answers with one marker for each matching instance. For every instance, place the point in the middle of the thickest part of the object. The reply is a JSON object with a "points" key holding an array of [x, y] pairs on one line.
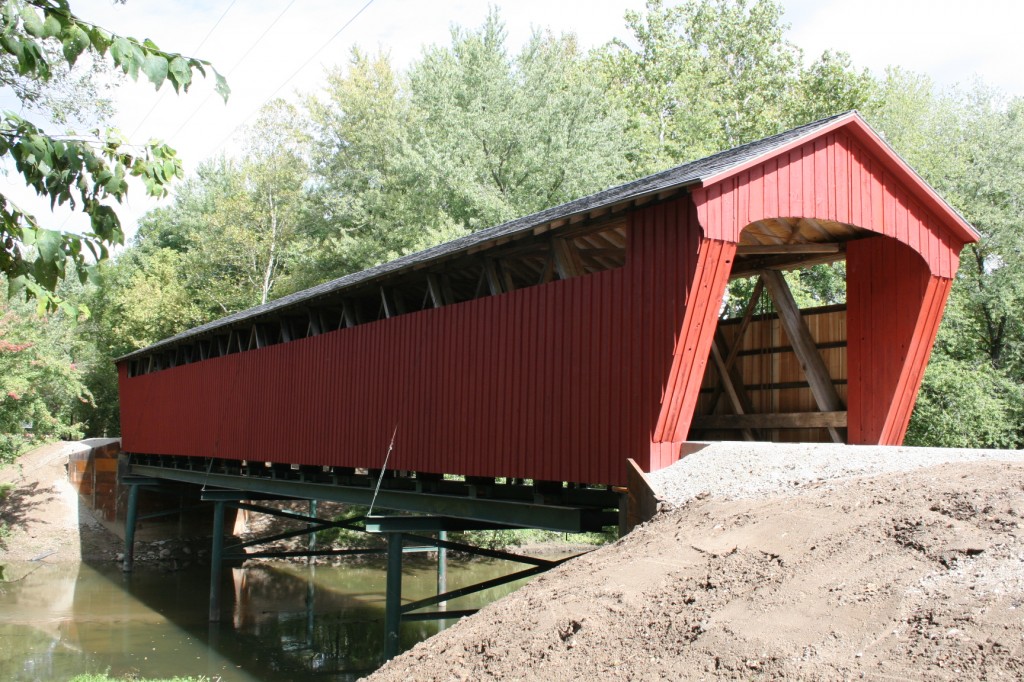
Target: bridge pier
{"points": [[398, 529], [393, 596], [437, 505], [131, 519], [216, 560]]}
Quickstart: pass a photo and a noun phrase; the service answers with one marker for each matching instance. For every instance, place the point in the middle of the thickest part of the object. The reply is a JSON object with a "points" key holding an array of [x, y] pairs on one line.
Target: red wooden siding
{"points": [[561, 382], [566, 380], [831, 177], [894, 306], [692, 349]]}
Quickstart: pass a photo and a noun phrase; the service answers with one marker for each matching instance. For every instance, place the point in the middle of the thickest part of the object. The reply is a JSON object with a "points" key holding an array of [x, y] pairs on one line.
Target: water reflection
{"points": [[280, 619]]}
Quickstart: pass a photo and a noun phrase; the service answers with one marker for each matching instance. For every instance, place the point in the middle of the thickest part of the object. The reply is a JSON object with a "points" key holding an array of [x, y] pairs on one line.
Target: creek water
{"points": [[280, 621]]}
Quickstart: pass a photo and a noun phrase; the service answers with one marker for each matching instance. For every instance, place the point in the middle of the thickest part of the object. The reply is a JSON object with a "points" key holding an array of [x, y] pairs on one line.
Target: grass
{"points": [[5, 490]]}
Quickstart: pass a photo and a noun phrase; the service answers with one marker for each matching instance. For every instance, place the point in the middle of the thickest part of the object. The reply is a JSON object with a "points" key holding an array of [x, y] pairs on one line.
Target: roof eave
{"points": [[420, 264]]}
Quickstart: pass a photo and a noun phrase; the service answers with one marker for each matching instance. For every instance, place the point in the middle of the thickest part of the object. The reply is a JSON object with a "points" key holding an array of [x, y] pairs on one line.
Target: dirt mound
{"points": [[902, 575]]}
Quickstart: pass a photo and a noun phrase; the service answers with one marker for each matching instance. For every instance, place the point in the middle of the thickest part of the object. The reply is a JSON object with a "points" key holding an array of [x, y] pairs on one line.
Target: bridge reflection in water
{"points": [[286, 619]]}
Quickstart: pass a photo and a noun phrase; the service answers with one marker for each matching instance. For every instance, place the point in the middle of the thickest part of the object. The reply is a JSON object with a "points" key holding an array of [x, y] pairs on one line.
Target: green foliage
{"points": [[42, 391], [385, 162], [703, 76], [967, 405], [470, 137], [969, 144], [38, 39], [509, 539], [237, 231], [828, 86]]}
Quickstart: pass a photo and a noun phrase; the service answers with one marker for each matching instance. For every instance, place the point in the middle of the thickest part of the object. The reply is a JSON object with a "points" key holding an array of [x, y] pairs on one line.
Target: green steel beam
{"points": [[426, 524], [548, 517], [140, 480], [490, 553], [472, 589], [236, 496], [439, 615]]}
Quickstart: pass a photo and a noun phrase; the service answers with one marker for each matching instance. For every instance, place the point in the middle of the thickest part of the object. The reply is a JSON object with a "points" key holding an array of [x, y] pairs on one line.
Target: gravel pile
{"points": [[736, 470]]}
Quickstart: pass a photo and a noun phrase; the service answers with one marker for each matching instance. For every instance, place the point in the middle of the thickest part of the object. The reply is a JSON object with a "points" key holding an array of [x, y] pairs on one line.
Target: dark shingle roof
{"points": [[681, 176]]}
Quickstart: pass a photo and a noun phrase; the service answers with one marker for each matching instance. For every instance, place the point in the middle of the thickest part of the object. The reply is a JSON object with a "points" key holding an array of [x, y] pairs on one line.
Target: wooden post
{"points": [[567, 259], [493, 280], [436, 292], [642, 502]]}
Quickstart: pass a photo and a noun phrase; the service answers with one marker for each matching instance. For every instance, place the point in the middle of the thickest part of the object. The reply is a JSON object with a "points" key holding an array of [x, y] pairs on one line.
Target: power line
{"points": [[293, 75], [235, 66], [195, 51]]}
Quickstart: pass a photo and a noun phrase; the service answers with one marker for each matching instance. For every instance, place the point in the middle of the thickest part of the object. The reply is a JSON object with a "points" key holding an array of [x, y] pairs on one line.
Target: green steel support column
{"points": [[310, 603], [393, 596], [442, 568], [131, 518], [312, 535], [310, 577], [216, 557]]}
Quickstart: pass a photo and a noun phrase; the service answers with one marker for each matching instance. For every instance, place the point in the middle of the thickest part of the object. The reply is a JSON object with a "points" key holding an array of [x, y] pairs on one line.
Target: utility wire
{"points": [[235, 66], [195, 50], [294, 74]]}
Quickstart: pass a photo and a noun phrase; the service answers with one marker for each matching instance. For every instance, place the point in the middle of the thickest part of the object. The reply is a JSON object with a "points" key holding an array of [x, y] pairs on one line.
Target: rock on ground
{"points": [[901, 575]]}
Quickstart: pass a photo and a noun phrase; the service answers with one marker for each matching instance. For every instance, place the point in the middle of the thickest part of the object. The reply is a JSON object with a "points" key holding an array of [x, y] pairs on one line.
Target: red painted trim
{"points": [[853, 124], [833, 178]]}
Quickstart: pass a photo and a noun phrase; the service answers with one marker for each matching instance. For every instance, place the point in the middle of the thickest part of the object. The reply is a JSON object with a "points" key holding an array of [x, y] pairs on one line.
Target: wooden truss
{"points": [[730, 390]]}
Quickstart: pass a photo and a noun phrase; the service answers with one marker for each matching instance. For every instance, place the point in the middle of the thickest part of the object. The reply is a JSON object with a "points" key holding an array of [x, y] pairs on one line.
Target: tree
{"points": [[469, 137], [86, 173], [703, 76], [507, 136], [969, 144], [967, 405], [240, 226], [41, 383], [830, 85]]}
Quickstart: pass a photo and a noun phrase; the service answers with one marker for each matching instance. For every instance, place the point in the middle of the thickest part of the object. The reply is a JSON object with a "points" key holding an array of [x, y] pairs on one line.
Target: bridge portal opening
{"points": [[778, 365]]}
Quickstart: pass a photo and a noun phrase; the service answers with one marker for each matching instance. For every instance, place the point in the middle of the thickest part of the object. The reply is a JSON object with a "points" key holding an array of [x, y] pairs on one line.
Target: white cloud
{"points": [[950, 41]]}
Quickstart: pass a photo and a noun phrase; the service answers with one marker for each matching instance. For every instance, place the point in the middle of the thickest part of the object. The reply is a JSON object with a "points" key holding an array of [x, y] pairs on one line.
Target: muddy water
{"points": [[280, 621]]}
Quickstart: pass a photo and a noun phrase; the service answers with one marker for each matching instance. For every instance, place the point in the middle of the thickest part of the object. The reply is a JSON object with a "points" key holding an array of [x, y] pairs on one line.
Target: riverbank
{"points": [[41, 516], [913, 571], [43, 519]]}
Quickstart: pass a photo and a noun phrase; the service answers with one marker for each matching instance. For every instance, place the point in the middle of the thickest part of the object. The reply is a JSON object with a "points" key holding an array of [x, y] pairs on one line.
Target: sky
{"points": [[269, 48]]}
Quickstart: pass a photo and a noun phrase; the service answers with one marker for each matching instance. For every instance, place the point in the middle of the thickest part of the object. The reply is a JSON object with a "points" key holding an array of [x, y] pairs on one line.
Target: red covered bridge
{"points": [[558, 345]]}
